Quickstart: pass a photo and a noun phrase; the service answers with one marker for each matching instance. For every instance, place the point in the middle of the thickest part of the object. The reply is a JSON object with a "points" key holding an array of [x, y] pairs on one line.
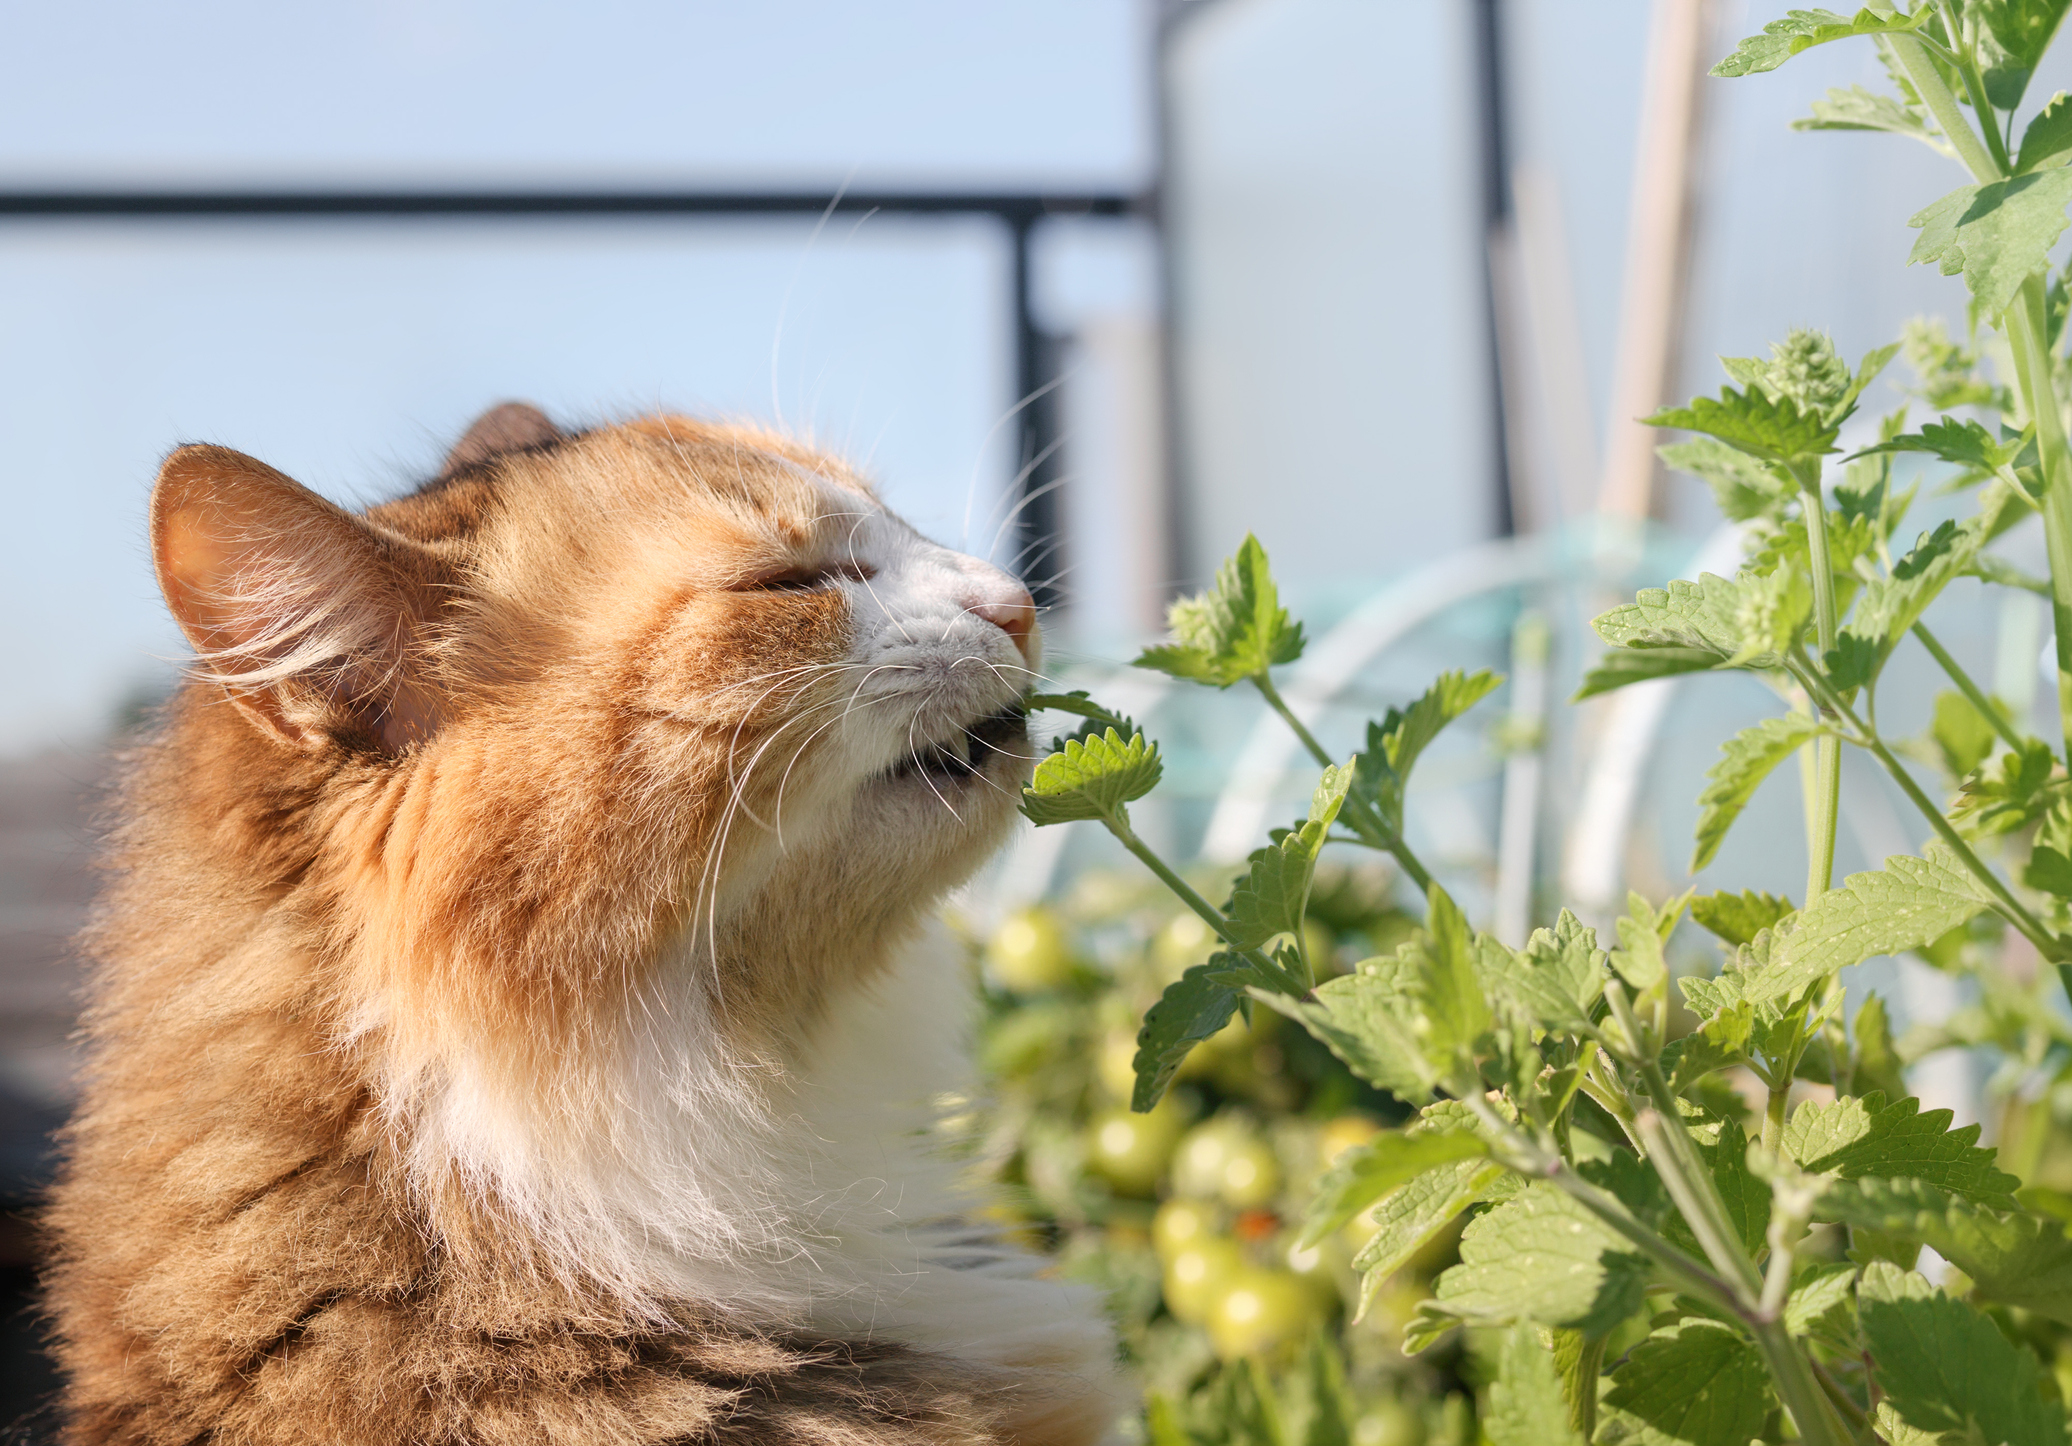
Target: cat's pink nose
{"points": [[1012, 611]]}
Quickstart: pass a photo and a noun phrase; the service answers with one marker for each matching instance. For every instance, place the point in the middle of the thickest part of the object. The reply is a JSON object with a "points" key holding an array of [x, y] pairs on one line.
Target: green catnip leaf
{"points": [[1096, 719], [1854, 1138], [1747, 759], [1743, 488], [1556, 978], [1618, 668], [1697, 615], [1456, 1013], [1527, 1406], [1092, 779], [2020, 30], [1997, 234], [1876, 1063], [1857, 109], [2012, 1256], [1819, 1299], [1801, 30], [1696, 1383], [1891, 605], [1537, 1257], [1408, 1218], [1193, 1008], [1773, 429], [1271, 899], [1962, 735], [1386, 1162], [1382, 773], [1643, 930], [1946, 1367], [2048, 139], [1899, 907], [1234, 631], [1366, 1018], [2009, 795], [1738, 918], [1967, 444]]}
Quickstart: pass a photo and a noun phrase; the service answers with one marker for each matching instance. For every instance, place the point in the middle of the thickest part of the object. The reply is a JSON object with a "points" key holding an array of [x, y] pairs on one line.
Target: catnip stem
{"points": [[2047, 944], [1827, 750], [1968, 688], [1210, 915], [1373, 830], [2025, 325]]}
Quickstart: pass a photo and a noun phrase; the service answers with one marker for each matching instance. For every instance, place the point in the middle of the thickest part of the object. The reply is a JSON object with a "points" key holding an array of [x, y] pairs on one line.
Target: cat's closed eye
{"points": [[805, 579]]}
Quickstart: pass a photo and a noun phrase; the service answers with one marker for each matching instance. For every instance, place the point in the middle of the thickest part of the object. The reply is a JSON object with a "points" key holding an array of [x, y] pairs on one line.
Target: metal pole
{"points": [[1496, 230]]}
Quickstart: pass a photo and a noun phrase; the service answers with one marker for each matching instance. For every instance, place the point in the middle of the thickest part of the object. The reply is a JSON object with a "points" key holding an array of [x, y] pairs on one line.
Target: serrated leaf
{"points": [[1876, 1064], [1272, 898], [1945, 1367], [1967, 444], [1526, 1404], [1743, 488], [1801, 30], [1773, 429], [1961, 734], [1643, 930], [1394, 744], [1235, 630], [1857, 109], [1697, 1383], [1854, 1138], [2021, 30], [1997, 234], [1622, 666], [2013, 1257], [1817, 1296], [1405, 1220], [1455, 1012], [1391, 1159], [1096, 718], [1092, 779], [1738, 918], [1697, 615], [1892, 605], [1746, 760], [1899, 907], [1193, 1008], [2048, 137], [1556, 978], [1366, 1019], [1538, 1257]]}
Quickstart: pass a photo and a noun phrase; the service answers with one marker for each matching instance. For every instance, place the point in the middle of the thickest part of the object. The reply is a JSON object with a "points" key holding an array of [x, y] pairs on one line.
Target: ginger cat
{"points": [[517, 1002]]}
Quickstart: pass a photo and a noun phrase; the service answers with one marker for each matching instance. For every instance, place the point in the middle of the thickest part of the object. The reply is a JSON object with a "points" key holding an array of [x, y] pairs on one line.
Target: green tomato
{"points": [[1196, 1276], [1259, 1310], [1180, 1224], [1030, 953], [1130, 1150], [1388, 1423], [1186, 941], [1222, 1161]]}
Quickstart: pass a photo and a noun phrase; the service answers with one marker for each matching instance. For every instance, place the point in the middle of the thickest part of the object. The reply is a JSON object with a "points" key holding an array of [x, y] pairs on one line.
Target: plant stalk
{"points": [[1372, 828], [2026, 327], [2047, 944], [1969, 689], [1827, 750], [1118, 824]]}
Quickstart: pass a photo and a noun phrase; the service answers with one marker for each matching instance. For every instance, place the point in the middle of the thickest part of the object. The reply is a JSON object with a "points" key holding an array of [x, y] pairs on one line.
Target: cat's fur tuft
{"points": [[515, 1011]]}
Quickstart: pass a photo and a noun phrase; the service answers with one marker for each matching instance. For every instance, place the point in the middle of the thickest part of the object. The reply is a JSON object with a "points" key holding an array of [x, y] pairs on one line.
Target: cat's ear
{"points": [[305, 613], [506, 427]]}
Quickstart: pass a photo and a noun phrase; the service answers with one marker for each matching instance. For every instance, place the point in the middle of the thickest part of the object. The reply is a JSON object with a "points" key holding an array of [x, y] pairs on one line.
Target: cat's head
{"points": [[585, 704]]}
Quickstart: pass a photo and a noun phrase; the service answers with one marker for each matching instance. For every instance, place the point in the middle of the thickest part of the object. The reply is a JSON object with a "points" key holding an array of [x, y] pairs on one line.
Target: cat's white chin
{"points": [[987, 751]]}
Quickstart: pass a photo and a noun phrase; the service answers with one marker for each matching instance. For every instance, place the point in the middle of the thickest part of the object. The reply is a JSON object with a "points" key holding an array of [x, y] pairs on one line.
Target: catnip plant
{"points": [[1604, 1162]]}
